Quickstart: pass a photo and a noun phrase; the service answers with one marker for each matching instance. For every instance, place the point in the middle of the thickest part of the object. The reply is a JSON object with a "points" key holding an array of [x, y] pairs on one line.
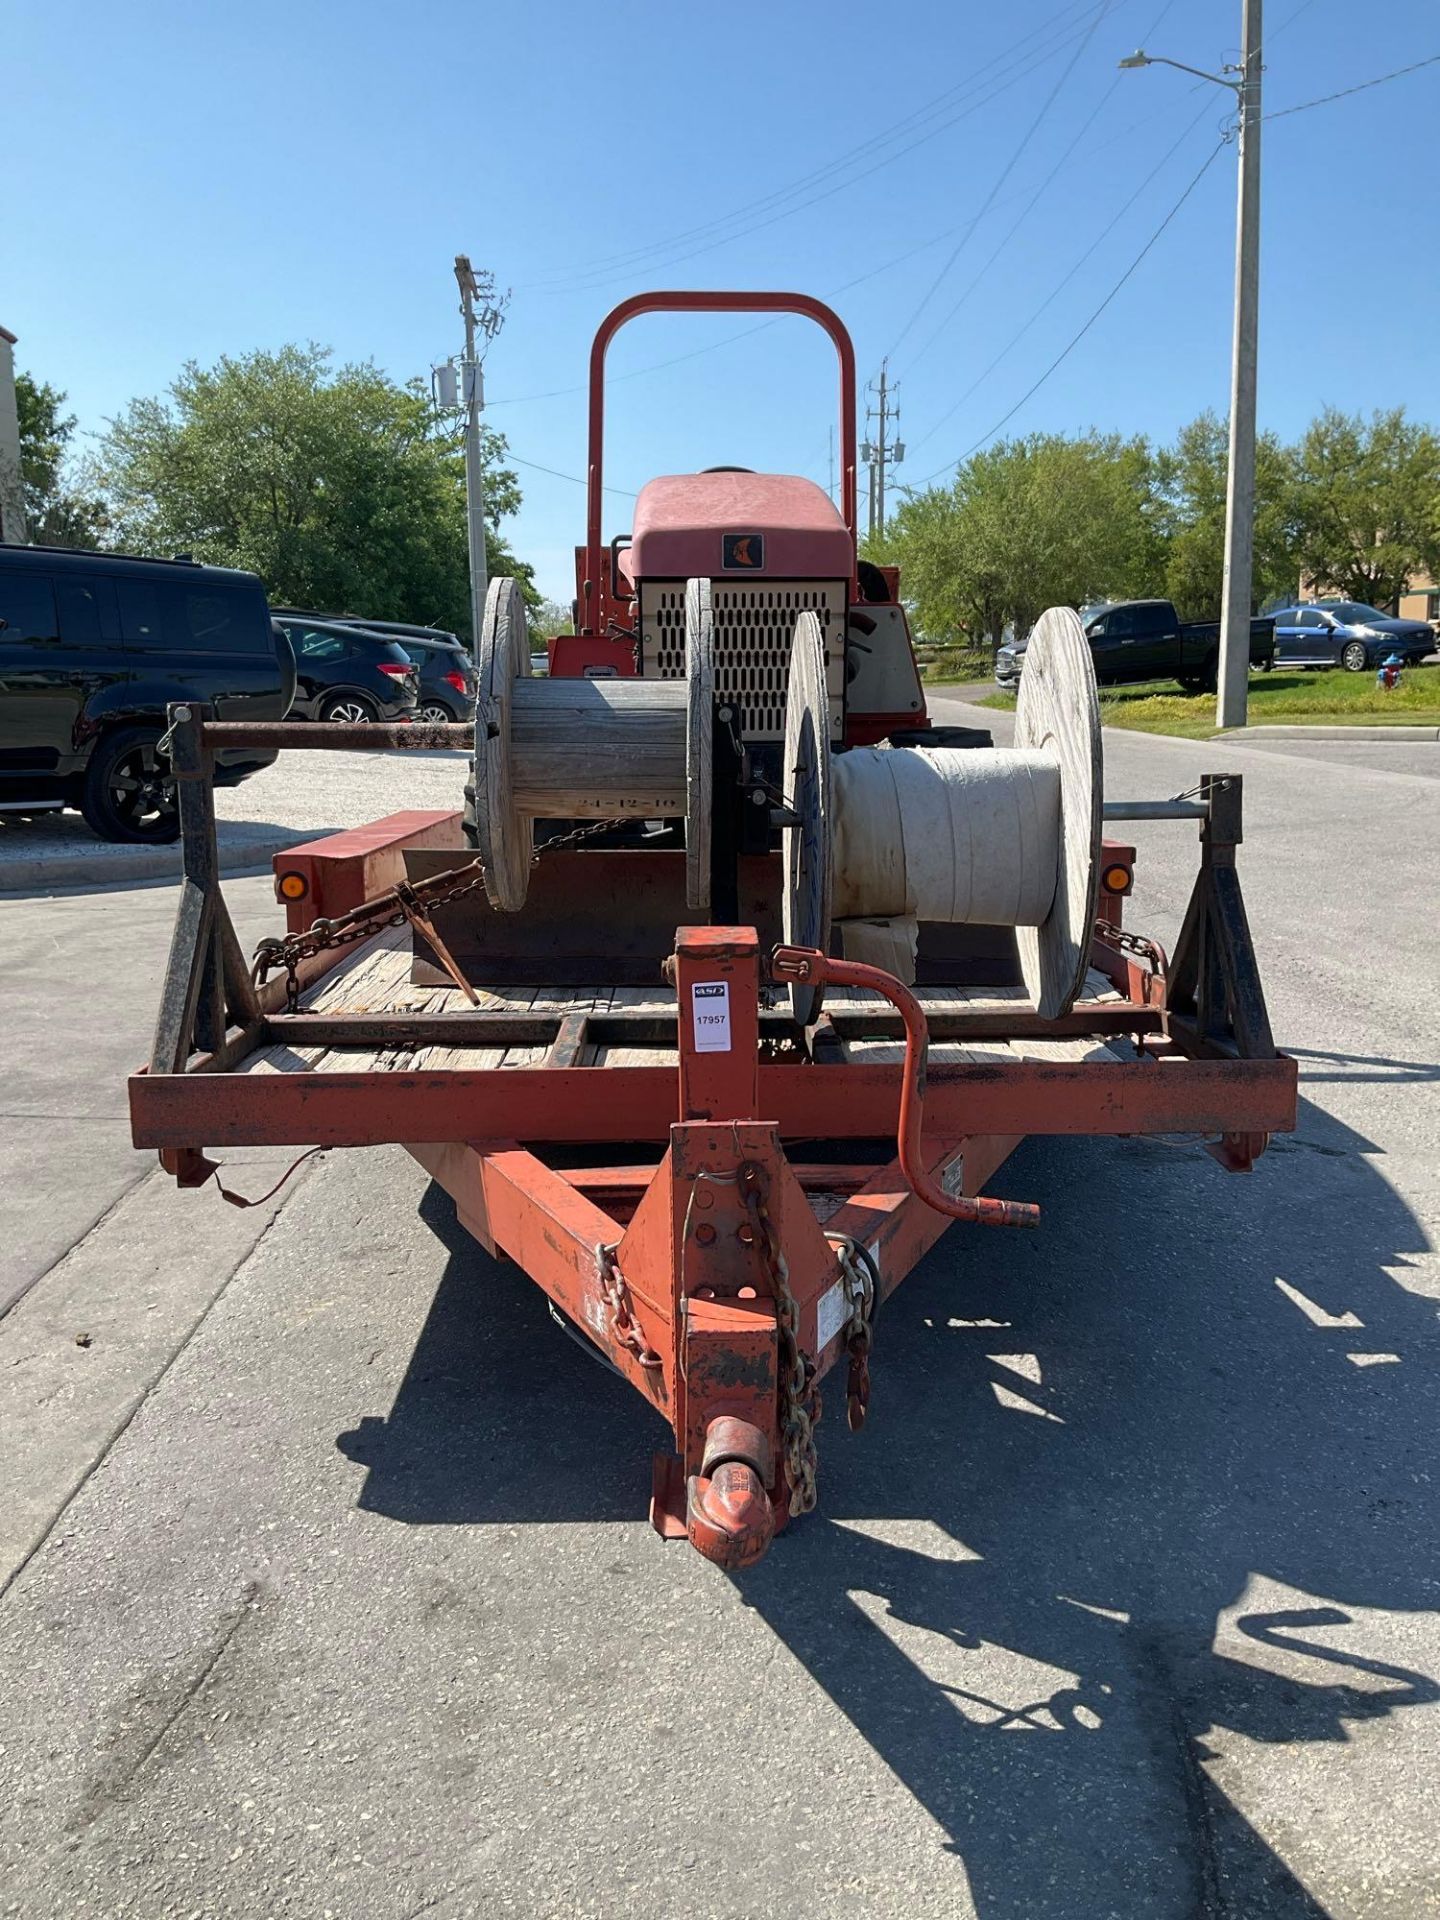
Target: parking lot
{"points": [[331, 1591]]}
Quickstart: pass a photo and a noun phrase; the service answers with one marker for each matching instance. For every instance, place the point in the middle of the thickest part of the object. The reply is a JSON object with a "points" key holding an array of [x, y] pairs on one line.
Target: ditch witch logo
{"points": [[742, 551]]}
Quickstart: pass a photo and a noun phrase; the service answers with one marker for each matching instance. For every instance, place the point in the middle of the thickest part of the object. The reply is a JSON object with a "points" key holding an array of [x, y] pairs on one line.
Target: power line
{"points": [[628, 260], [1075, 340], [1364, 87], [1019, 221], [635, 373], [1042, 189], [555, 474], [1064, 282], [858, 280], [999, 182]]}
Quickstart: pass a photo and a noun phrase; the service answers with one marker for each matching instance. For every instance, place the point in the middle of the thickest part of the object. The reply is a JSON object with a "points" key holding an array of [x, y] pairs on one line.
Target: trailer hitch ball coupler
{"points": [[728, 1515]]}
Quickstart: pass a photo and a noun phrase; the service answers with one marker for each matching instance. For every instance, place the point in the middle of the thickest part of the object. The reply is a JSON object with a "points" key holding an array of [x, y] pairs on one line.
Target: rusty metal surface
{"points": [[332, 736], [605, 917], [595, 1105]]}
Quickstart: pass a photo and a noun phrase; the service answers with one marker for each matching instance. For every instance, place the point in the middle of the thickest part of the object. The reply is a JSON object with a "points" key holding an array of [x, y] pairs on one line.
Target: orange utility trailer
{"points": [[715, 1148]]}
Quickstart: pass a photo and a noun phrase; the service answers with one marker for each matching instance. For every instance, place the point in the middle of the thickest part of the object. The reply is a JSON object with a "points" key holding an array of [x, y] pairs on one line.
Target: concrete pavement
{"points": [[1124, 1603], [81, 974]]}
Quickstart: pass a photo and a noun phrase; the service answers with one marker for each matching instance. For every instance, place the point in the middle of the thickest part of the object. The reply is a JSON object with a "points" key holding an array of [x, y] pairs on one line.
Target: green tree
{"points": [[1191, 477], [340, 487], [1367, 503], [60, 509], [1027, 524], [552, 617]]}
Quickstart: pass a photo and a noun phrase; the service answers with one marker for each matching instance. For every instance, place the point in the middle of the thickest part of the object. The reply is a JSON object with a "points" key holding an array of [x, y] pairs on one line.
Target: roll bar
{"points": [[660, 302]]}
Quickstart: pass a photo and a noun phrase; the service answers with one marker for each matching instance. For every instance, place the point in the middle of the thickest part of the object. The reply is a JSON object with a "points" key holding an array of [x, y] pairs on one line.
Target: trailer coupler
{"points": [[728, 1514]]}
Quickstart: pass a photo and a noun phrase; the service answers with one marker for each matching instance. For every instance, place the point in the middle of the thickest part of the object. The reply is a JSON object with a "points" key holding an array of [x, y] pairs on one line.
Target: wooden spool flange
{"points": [[587, 749], [806, 785], [1059, 713], [878, 837]]}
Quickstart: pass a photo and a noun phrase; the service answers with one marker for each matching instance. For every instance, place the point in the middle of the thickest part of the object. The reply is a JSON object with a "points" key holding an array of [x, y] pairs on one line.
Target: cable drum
{"points": [[943, 835], [613, 748], [1004, 837]]}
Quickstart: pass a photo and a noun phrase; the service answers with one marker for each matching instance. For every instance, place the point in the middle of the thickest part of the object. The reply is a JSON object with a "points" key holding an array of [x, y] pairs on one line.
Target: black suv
{"points": [[447, 671], [93, 648], [348, 674]]}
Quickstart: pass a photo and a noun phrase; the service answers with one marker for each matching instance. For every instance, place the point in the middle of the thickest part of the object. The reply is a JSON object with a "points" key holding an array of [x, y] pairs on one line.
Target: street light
{"points": [[1234, 676]]}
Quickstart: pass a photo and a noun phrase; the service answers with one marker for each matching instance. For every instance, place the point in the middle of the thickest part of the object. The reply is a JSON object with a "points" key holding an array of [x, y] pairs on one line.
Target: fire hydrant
{"points": [[1388, 675]]}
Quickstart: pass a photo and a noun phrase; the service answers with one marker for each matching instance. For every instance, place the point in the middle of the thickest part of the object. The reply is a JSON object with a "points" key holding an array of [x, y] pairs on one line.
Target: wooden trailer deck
{"points": [[374, 979]]}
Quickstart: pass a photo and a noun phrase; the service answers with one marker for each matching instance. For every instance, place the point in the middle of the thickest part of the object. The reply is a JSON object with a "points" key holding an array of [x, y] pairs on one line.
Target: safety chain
{"points": [[1136, 943], [800, 1405], [617, 1298], [389, 909], [861, 1281], [1155, 985]]}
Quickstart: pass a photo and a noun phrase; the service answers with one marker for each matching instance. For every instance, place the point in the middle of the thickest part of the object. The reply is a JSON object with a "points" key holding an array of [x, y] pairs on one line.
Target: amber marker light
{"points": [[294, 886], [1116, 879]]}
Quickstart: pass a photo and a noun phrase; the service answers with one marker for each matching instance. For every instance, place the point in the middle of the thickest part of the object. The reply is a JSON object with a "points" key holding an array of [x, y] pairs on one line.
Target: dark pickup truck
{"points": [[1147, 640]]}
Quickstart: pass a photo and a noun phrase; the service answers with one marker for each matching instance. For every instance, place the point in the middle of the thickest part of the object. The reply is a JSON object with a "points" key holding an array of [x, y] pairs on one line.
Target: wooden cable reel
{"points": [[608, 749], [1005, 837]]}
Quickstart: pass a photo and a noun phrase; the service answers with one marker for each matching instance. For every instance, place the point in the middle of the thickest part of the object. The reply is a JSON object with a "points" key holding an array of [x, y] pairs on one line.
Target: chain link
{"points": [[1136, 943], [387, 910], [617, 1298], [800, 1405], [861, 1282], [1155, 985]]}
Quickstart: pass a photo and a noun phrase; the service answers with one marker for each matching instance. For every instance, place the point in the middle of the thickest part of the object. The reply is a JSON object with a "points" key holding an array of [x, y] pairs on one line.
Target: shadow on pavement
{"points": [[57, 853], [1085, 1446]]}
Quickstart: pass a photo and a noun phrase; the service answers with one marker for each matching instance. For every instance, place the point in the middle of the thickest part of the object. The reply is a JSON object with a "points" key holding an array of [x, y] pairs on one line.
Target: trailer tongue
{"points": [[717, 1147]]}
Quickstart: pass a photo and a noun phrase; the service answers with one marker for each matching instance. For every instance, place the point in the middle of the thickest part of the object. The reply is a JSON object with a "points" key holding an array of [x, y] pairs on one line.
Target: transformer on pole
{"points": [[483, 314]]}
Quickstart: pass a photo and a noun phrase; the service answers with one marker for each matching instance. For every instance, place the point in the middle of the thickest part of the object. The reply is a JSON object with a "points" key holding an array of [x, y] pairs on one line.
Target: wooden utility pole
{"points": [[1233, 689], [881, 452], [483, 314]]}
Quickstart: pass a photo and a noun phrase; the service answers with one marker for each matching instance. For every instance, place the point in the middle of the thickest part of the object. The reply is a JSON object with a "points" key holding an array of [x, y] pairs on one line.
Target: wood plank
{"points": [[1063, 1052]]}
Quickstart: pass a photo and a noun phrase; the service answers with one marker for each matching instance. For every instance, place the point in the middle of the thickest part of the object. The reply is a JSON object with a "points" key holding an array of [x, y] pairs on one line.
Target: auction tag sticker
{"points": [[710, 1004], [832, 1310]]}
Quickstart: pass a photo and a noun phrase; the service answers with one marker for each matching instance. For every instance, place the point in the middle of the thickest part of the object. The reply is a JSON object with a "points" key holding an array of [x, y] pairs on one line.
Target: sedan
{"points": [[347, 675], [1347, 633]]}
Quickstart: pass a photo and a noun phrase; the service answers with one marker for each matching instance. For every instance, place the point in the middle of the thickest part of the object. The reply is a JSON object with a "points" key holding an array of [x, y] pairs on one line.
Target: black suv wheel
{"points": [[349, 709], [129, 789]]}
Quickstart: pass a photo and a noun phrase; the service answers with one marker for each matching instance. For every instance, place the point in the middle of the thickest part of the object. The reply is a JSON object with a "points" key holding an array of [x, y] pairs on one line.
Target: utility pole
{"points": [[1233, 690], [881, 452], [476, 291], [1233, 678]]}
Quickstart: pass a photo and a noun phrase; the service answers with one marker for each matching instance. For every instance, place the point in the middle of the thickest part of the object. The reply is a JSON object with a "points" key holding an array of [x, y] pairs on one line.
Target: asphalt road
{"points": [[1124, 1604]]}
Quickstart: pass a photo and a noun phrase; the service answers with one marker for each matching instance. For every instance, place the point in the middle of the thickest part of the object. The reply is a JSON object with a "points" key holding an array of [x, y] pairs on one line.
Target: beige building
{"points": [[12, 498], [1421, 600]]}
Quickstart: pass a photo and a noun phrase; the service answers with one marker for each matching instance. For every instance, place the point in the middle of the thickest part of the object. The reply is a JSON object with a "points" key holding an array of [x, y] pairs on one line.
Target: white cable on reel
{"points": [[1006, 837]]}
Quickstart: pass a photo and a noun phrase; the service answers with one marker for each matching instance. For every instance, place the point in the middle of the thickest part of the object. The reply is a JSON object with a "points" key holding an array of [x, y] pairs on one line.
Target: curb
{"points": [[1402, 735], [121, 866]]}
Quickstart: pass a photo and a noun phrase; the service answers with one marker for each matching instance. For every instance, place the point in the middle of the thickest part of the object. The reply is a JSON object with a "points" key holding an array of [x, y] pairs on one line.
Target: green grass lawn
{"points": [[1332, 698]]}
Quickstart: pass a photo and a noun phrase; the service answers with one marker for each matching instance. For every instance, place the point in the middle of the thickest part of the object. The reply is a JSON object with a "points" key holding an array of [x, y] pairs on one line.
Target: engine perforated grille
{"points": [[754, 626]]}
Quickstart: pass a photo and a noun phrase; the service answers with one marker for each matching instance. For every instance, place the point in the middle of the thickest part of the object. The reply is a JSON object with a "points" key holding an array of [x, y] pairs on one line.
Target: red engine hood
{"points": [[775, 525]]}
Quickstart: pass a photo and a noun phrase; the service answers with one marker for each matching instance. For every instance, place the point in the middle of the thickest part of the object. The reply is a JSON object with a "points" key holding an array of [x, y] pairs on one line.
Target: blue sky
{"points": [[184, 181]]}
